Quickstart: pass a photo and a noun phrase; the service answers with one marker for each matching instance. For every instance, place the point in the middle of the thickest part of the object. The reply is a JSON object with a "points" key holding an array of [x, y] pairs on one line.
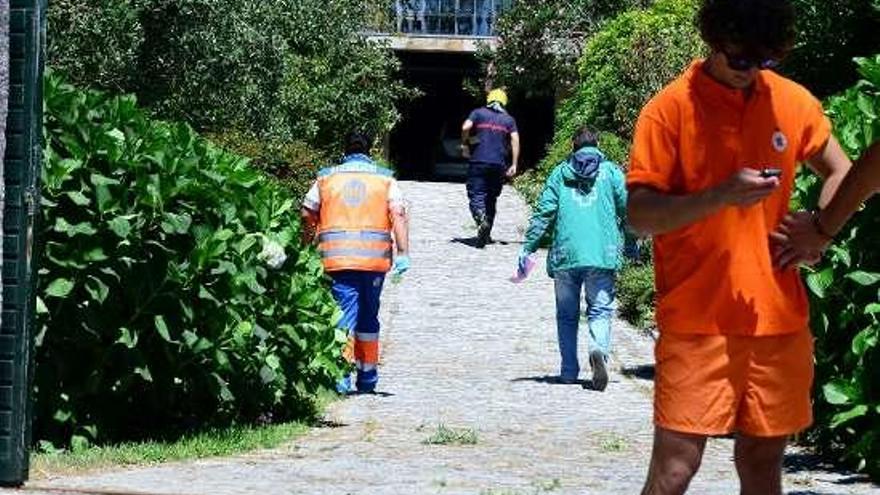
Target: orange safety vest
{"points": [[354, 226]]}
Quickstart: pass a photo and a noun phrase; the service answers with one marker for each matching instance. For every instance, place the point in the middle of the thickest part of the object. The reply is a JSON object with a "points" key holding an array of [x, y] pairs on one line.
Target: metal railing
{"points": [[462, 18]]}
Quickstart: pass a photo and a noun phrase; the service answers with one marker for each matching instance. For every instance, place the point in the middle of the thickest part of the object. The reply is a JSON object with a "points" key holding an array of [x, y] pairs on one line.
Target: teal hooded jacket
{"points": [[583, 207]]}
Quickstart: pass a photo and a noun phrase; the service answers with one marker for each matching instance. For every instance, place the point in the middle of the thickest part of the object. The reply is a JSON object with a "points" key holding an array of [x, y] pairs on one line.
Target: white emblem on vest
{"points": [[354, 193]]}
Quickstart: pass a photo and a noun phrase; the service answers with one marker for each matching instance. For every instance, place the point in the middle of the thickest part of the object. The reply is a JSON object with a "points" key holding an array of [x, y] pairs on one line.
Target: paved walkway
{"points": [[466, 349]]}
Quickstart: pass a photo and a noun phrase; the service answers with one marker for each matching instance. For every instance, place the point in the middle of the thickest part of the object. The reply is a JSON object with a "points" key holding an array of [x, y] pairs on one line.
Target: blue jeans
{"points": [[358, 294], [598, 283]]}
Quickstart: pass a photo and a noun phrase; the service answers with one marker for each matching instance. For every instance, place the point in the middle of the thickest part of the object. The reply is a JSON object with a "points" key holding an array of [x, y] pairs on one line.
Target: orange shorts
{"points": [[720, 384]]}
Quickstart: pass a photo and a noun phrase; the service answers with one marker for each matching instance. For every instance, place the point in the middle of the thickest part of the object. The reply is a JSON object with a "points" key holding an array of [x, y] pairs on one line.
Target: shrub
{"points": [[288, 69], [624, 64], [531, 183], [541, 41], [628, 61], [635, 294], [845, 298], [294, 163], [830, 35], [157, 310], [97, 42]]}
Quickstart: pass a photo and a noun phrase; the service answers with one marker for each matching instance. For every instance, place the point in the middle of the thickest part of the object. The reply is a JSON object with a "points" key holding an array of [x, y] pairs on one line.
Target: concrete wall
{"points": [[439, 44]]}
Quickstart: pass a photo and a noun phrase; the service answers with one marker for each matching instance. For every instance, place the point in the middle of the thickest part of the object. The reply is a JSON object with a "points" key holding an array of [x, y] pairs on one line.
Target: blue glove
{"points": [[401, 265]]}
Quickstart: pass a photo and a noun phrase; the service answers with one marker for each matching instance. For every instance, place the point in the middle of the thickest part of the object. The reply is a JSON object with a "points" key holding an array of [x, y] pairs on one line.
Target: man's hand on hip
{"points": [[798, 240]]}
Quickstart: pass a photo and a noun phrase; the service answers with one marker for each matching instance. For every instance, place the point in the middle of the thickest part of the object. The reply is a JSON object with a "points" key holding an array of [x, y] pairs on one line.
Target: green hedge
{"points": [[845, 291], [157, 309]]}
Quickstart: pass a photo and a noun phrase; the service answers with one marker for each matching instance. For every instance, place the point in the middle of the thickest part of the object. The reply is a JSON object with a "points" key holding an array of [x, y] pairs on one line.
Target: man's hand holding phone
{"points": [[749, 186], [771, 172]]}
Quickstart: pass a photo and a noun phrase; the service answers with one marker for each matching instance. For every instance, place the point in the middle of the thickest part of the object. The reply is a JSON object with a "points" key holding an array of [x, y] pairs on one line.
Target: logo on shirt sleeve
{"points": [[779, 141]]}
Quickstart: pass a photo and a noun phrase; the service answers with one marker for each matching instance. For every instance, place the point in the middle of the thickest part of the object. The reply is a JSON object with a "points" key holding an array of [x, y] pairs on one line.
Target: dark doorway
{"points": [[424, 145]]}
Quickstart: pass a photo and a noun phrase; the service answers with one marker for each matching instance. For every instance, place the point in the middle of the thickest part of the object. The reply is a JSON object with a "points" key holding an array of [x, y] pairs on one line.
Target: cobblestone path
{"points": [[466, 349]]}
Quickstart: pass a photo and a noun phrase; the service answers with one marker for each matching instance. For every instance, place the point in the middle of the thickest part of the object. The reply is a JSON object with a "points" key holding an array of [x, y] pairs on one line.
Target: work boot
{"points": [[600, 370], [483, 230]]}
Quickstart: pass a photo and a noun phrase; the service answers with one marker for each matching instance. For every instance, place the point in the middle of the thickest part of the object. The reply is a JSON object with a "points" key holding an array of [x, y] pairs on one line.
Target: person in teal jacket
{"points": [[583, 207]]}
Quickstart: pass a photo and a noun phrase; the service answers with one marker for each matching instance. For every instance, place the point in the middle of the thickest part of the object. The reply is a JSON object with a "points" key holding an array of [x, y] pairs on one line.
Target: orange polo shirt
{"points": [[715, 276]]}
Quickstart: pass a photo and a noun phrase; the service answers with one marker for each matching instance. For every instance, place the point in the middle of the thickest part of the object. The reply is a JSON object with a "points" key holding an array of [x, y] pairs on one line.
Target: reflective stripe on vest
{"points": [[354, 230], [364, 235]]}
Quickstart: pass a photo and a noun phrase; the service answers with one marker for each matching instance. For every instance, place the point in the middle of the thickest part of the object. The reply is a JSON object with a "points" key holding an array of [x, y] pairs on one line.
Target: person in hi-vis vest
{"points": [[352, 210]]}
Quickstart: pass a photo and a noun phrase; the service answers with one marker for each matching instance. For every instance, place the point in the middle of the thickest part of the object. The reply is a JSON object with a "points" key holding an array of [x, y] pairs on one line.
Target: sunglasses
{"points": [[744, 62]]}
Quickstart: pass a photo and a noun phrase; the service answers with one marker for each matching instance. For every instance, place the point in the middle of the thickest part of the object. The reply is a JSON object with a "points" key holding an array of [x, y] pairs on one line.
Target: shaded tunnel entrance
{"points": [[424, 145]]}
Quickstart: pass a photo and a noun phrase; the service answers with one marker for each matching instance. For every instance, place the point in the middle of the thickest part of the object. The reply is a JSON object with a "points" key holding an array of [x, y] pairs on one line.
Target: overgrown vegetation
{"points": [[158, 308], [845, 291], [635, 294], [542, 40], [285, 70], [625, 63], [831, 35]]}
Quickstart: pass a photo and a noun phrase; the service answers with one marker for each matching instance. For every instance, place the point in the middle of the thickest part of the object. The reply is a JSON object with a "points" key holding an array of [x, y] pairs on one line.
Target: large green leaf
{"points": [[820, 281], [864, 278], [838, 393], [162, 328], [843, 417], [60, 287], [120, 226]]}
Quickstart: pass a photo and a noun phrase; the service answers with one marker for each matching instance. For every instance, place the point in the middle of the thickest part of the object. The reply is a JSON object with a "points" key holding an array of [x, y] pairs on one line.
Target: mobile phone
{"points": [[771, 172]]}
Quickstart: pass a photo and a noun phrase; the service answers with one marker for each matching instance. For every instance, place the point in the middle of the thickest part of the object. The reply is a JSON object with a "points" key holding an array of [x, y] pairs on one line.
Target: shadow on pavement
{"points": [[553, 380], [467, 241], [326, 423], [812, 462], [642, 371], [549, 379], [472, 241], [377, 394]]}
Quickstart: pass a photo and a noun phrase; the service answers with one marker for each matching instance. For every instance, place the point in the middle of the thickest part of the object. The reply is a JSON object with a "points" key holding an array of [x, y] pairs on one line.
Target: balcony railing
{"points": [[461, 18]]}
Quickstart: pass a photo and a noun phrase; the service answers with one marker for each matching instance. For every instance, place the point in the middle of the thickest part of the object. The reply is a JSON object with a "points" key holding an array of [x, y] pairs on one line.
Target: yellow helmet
{"points": [[497, 95]]}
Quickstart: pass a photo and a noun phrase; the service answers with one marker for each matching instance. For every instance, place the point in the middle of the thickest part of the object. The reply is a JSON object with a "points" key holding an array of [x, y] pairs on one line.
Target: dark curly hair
{"points": [[759, 27]]}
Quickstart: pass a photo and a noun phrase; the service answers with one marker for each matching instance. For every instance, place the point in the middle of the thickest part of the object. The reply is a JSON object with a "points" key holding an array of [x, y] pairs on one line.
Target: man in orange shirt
{"points": [[712, 170]]}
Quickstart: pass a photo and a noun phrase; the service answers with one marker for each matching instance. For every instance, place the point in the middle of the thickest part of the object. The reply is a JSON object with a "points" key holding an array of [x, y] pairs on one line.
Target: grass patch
{"points": [[613, 443], [538, 488], [211, 443], [445, 435]]}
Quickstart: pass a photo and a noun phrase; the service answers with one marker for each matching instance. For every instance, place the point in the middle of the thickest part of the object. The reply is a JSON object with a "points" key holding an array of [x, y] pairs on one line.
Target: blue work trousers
{"points": [[484, 185], [357, 293]]}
